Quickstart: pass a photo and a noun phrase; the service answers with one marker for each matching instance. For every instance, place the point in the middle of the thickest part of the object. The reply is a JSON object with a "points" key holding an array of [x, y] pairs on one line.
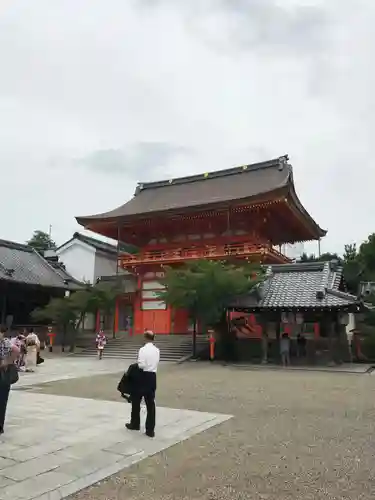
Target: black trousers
{"points": [[4, 395], [146, 390]]}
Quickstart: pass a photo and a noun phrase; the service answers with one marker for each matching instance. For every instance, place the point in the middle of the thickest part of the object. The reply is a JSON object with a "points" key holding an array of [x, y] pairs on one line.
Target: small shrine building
{"points": [[308, 298]]}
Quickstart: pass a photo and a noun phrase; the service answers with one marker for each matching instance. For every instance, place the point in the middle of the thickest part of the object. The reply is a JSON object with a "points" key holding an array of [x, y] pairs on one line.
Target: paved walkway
{"points": [[55, 446], [60, 368]]}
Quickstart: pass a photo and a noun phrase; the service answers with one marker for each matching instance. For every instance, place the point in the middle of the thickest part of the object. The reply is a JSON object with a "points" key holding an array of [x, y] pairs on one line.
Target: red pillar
{"points": [[116, 316], [316, 331]]}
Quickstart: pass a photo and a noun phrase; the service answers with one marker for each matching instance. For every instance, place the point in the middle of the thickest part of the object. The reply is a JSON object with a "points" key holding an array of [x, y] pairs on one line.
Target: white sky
{"points": [[96, 95]]}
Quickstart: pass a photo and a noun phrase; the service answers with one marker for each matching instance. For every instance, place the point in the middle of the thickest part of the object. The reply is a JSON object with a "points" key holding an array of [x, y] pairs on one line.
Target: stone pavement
{"points": [[64, 368], [55, 446]]}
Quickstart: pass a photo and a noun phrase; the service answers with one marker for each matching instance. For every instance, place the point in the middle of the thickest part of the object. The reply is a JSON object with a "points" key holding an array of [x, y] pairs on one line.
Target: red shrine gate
{"points": [[243, 213]]}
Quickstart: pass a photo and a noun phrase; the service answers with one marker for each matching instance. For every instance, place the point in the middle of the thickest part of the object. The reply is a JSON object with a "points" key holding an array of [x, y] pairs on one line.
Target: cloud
{"points": [[95, 96], [264, 25], [144, 160]]}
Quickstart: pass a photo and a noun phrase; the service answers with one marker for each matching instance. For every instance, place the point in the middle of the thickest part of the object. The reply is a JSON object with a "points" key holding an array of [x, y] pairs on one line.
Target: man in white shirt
{"points": [[148, 361]]}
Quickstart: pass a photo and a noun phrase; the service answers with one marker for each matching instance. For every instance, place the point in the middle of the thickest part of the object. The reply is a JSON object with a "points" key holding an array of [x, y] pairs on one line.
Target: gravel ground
{"points": [[294, 435]]}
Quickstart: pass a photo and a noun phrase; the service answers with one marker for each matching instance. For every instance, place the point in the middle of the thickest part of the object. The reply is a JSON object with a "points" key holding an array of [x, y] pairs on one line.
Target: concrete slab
{"points": [[61, 368], [55, 446]]}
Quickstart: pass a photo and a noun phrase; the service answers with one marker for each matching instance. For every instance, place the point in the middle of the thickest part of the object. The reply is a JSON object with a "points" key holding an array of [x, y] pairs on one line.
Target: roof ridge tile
{"points": [[280, 162]]}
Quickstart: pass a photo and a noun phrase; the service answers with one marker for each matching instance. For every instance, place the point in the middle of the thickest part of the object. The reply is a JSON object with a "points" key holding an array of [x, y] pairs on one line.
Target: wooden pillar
{"points": [[278, 335], [331, 323], [344, 347], [263, 322]]}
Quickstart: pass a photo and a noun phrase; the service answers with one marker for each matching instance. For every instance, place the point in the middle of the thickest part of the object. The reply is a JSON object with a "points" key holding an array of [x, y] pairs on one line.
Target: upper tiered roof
{"points": [[261, 182]]}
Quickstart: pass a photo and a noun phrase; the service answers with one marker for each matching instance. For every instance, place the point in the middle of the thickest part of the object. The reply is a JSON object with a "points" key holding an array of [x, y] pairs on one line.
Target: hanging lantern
{"points": [[344, 318], [291, 318], [299, 318], [284, 318]]}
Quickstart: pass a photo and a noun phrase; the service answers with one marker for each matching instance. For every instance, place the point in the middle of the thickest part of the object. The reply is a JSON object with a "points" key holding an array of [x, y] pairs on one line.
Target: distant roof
{"points": [[60, 269], [213, 188], [297, 286], [22, 264], [102, 246]]}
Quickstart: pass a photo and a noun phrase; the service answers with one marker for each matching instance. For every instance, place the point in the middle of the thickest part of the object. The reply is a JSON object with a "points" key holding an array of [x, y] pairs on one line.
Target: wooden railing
{"points": [[202, 252]]}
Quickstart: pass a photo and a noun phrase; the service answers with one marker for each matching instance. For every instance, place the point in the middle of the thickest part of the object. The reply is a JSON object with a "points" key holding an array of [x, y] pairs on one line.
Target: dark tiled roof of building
{"points": [[259, 180], [102, 246], [59, 268], [22, 264], [304, 285]]}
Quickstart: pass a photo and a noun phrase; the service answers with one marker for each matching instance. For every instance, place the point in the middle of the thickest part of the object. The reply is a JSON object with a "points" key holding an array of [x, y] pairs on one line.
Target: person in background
{"points": [[8, 354], [148, 361], [32, 346], [301, 345], [285, 349], [20, 343], [101, 341]]}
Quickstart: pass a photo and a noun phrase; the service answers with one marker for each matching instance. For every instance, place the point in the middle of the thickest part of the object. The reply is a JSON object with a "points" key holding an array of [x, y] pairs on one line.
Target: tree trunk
{"points": [[63, 339], [73, 340]]}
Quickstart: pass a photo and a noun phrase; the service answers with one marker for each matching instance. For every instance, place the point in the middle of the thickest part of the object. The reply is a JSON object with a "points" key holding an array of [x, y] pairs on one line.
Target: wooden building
{"points": [[28, 281], [246, 212], [307, 298]]}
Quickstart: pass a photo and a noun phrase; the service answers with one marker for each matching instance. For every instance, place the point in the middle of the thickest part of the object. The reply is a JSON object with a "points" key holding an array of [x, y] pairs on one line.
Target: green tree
{"points": [[359, 264], [205, 288], [352, 267], [350, 252], [41, 241], [325, 257], [62, 313], [366, 258], [69, 313], [100, 297]]}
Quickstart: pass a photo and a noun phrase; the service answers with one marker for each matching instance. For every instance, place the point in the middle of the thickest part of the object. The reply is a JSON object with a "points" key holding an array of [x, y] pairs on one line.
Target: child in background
{"points": [[101, 341], [20, 343]]}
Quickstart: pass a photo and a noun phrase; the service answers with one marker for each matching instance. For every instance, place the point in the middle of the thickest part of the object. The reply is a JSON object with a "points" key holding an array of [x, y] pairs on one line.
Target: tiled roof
{"points": [[257, 181], [303, 285], [102, 246], [22, 264], [59, 268]]}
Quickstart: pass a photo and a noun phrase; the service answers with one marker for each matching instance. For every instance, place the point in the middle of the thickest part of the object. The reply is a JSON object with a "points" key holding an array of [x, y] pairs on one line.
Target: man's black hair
{"points": [[149, 336]]}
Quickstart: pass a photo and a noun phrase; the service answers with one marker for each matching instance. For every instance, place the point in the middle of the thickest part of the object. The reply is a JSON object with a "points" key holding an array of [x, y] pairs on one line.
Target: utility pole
{"points": [[118, 281]]}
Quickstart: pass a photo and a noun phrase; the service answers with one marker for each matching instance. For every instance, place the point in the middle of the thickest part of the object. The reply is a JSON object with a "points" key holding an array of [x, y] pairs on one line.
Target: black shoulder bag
{"points": [[8, 375]]}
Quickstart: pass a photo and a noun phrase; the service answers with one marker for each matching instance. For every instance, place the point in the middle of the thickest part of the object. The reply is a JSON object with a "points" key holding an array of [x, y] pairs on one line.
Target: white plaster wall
{"points": [[105, 265], [79, 261]]}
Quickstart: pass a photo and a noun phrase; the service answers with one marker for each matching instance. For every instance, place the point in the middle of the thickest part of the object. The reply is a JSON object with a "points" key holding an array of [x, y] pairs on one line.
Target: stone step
{"points": [[107, 355], [138, 343], [171, 348]]}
